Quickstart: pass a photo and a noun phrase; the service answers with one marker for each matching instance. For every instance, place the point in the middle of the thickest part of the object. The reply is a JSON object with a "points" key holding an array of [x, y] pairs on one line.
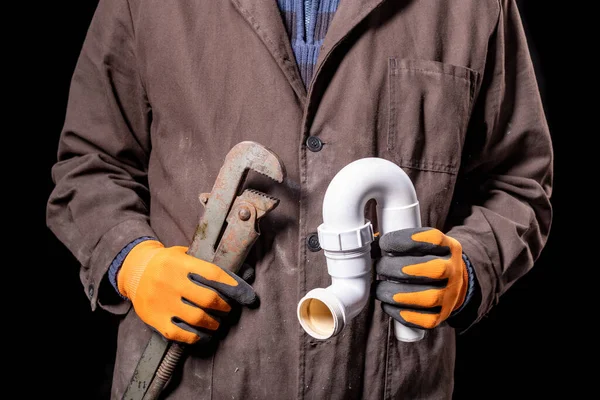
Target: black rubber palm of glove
{"points": [[422, 276]]}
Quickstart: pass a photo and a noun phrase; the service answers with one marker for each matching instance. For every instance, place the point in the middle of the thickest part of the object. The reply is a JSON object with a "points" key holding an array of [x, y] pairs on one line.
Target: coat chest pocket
{"points": [[429, 105]]}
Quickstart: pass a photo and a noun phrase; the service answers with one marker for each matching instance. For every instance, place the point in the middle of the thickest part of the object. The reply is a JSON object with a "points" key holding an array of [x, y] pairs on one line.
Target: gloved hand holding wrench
{"points": [[182, 292]]}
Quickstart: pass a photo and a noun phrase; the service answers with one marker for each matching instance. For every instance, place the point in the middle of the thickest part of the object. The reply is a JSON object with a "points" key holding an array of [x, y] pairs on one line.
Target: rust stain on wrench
{"points": [[242, 158], [224, 236]]}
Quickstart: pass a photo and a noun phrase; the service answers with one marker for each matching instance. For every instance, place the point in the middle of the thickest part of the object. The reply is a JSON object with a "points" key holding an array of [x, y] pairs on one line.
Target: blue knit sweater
{"points": [[306, 22]]}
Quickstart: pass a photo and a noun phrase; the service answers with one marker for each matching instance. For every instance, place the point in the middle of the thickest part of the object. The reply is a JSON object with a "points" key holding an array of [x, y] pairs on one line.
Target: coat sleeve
{"points": [[501, 210], [100, 200]]}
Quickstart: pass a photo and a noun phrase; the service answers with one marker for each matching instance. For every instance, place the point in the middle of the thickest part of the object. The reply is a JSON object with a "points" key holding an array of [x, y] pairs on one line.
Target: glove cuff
{"points": [[470, 284], [134, 266], [117, 263]]}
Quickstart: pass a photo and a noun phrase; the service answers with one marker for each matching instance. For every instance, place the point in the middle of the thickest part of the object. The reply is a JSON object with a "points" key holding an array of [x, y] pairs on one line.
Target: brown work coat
{"points": [[163, 90]]}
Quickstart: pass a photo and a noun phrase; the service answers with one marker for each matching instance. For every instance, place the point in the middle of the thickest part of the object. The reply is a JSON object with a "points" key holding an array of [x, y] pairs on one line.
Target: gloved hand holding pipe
{"points": [[423, 277]]}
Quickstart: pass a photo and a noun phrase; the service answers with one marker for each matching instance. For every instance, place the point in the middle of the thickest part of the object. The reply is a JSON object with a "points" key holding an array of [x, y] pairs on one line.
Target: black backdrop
{"points": [[518, 351]]}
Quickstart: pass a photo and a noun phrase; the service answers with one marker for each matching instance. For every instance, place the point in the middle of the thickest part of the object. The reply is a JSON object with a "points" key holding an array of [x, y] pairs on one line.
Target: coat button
{"points": [[314, 143], [312, 242], [91, 291]]}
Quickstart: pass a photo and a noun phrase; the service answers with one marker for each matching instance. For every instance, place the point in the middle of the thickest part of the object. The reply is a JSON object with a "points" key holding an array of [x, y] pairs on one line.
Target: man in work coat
{"points": [[163, 90]]}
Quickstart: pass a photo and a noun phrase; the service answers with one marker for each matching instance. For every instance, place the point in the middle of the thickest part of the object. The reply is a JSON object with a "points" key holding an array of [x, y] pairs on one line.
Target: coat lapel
{"points": [[348, 14], [264, 17]]}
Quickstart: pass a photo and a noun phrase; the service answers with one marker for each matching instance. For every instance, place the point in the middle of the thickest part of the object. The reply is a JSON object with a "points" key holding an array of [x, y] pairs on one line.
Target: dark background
{"points": [[518, 351]]}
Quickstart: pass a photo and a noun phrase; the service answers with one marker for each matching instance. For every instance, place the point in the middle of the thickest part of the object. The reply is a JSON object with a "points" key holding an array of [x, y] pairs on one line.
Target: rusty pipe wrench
{"points": [[224, 236]]}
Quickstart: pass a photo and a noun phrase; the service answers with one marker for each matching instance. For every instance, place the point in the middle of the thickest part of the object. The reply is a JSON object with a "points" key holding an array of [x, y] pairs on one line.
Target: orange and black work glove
{"points": [[423, 276], [180, 296]]}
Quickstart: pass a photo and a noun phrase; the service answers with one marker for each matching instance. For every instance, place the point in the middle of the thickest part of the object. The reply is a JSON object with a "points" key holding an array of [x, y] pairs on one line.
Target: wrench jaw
{"points": [[242, 229], [228, 215], [250, 155], [261, 202]]}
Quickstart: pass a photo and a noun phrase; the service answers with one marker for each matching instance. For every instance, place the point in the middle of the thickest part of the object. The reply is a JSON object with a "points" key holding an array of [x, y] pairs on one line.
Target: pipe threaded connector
{"points": [[321, 314]]}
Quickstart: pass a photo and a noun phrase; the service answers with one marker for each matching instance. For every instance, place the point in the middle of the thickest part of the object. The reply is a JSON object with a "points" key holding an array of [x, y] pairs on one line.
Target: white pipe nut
{"points": [[333, 240]]}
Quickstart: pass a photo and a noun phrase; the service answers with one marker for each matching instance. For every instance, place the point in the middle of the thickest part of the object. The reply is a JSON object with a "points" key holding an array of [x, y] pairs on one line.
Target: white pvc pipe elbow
{"points": [[345, 236]]}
